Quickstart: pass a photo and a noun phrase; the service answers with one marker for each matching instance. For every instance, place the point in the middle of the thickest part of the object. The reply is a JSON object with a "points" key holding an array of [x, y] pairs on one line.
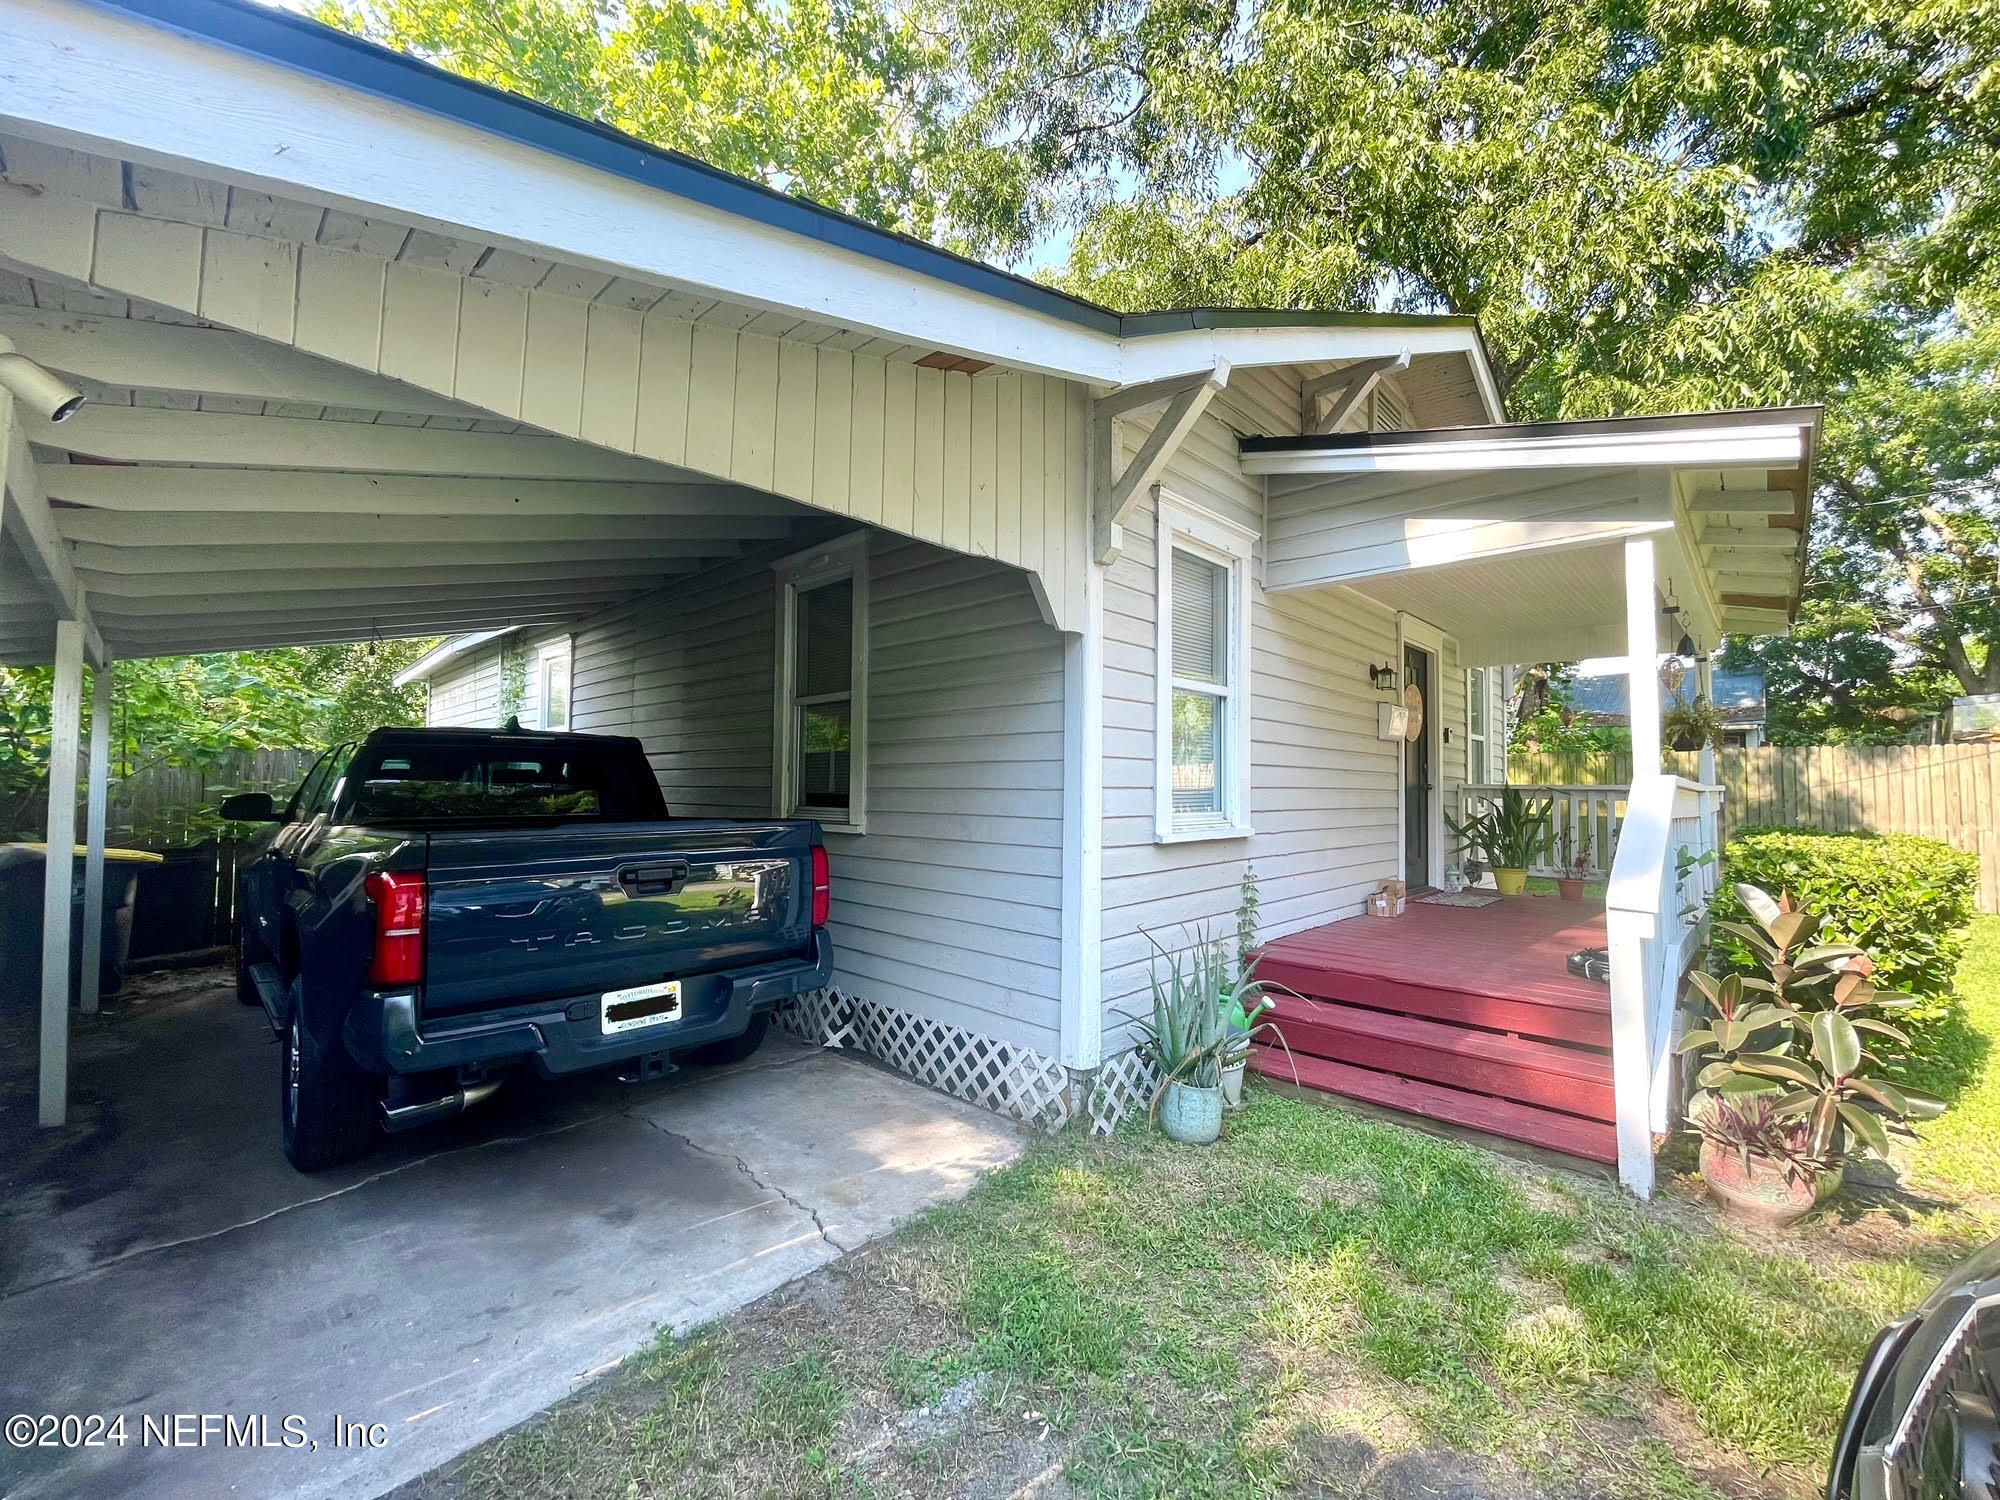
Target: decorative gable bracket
{"points": [[1349, 386], [1114, 494]]}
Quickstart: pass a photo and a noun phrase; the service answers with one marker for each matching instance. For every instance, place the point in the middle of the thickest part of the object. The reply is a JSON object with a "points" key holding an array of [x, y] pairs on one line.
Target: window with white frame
{"points": [[820, 765], [1202, 726], [552, 674], [1477, 766]]}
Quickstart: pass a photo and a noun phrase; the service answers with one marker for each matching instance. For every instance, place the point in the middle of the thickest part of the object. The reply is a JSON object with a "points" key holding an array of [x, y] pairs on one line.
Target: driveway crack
{"points": [[750, 1172]]}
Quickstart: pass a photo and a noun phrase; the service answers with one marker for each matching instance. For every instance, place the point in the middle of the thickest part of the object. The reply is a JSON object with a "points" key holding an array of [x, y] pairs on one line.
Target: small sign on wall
{"points": [[1392, 721]]}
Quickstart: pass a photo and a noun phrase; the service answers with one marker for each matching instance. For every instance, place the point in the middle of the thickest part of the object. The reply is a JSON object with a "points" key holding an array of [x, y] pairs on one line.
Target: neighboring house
{"points": [[1059, 619], [1603, 699]]}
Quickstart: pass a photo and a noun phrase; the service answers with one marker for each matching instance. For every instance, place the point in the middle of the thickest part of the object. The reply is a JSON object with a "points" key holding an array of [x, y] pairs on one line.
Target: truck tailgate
{"points": [[551, 913]]}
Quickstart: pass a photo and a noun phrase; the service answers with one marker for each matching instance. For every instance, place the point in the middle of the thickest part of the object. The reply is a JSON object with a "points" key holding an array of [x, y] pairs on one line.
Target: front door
{"points": [[1417, 779]]}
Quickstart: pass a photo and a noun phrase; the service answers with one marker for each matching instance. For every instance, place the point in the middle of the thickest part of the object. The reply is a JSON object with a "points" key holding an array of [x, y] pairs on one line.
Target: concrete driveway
{"points": [[159, 1260]]}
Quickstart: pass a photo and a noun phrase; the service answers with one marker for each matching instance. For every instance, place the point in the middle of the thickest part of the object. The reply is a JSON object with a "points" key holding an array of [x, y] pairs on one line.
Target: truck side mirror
{"points": [[251, 807]]}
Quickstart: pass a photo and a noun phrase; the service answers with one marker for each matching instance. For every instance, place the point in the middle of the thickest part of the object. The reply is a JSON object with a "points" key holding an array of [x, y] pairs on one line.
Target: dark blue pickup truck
{"points": [[435, 907]]}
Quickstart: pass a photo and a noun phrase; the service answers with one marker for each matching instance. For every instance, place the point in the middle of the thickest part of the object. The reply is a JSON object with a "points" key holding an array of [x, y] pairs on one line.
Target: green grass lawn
{"points": [[1321, 1304]]}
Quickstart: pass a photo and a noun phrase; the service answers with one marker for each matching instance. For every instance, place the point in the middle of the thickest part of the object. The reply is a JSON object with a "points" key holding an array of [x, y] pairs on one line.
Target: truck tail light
{"points": [[822, 886], [400, 903]]}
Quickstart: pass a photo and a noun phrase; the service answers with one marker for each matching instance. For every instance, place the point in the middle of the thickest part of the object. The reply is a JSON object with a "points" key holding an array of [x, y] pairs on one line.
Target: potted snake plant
{"points": [[1511, 832]]}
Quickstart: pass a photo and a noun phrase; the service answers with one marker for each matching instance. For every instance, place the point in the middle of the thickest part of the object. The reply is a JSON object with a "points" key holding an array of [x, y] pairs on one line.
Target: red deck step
{"points": [[1326, 979], [1520, 1122], [1551, 1076]]}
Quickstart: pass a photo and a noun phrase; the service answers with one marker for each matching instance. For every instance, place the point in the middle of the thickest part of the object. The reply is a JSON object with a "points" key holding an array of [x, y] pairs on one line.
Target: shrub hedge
{"points": [[1906, 900]]}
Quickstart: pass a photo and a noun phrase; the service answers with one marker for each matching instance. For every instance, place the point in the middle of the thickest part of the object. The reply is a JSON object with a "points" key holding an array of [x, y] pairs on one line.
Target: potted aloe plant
{"points": [[1790, 1084], [1189, 1039], [1512, 832]]}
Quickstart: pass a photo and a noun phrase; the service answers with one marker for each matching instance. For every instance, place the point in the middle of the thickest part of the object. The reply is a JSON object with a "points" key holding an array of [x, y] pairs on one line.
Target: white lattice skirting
{"points": [[1002, 1076]]}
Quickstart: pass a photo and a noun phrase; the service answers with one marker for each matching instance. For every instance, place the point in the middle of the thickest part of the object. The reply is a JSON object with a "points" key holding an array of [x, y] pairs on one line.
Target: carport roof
{"points": [[340, 57]]}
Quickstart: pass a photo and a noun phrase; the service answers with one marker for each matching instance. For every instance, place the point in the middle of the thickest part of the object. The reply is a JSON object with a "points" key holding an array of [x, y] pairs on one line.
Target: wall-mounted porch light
{"points": [[44, 394], [1382, 678]]}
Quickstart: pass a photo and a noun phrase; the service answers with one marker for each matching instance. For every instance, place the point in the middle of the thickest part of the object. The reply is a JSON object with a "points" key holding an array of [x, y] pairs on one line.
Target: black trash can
{"points": [[21, 881], [174, 910]]}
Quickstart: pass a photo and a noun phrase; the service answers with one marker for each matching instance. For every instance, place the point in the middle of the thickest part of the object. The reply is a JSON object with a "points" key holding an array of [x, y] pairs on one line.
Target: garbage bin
{"points": [[21, 883]]}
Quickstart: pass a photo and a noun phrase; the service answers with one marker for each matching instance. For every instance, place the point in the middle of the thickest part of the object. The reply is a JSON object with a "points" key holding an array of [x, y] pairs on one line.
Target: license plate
{"points": [[643, 1005]]}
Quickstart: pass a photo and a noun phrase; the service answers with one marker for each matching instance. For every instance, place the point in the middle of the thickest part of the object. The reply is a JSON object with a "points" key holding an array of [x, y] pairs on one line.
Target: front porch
{"points": [[1461, 1014]]}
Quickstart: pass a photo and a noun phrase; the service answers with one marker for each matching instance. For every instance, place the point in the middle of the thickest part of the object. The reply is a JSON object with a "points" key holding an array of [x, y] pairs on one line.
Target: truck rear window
{"points": [[491, 783]]}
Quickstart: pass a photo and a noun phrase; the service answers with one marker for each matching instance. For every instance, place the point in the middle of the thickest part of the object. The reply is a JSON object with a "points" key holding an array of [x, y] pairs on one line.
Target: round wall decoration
{"points": [[1413, 700]]}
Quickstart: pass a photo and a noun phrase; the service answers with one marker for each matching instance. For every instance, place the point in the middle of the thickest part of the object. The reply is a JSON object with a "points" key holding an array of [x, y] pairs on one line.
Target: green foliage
{"points": [[1796, 1031], [191, 710], [835, 100], [1204, 1014], [1905, 900], [1512, 832]]}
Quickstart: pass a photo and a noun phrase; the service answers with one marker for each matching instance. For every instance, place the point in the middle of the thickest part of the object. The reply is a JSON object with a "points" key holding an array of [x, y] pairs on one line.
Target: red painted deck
{"points": [[1455, 1013]]}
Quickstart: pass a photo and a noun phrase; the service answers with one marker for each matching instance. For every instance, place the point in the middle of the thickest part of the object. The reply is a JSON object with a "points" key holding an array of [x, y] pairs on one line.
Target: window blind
{"points": [[1201, 619]]}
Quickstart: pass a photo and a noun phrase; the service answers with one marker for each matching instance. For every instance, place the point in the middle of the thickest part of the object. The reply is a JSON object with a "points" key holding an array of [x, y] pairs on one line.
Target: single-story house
{"points": [[1601, 699], [1060, 619]]}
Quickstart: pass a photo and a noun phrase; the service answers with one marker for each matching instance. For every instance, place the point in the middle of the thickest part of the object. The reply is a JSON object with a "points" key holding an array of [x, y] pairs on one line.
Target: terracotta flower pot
{"points": [[1510, 882], [1570, 888], [1766, 1193]]}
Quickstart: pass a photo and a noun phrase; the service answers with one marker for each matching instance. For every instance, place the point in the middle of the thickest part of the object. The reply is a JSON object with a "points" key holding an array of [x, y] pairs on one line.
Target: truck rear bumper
{"points": [[385, 1034]]}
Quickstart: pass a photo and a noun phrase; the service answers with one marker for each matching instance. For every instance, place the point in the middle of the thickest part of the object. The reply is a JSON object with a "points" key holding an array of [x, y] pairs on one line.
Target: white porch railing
{"points": [[1592, 812], [1655, 914]]}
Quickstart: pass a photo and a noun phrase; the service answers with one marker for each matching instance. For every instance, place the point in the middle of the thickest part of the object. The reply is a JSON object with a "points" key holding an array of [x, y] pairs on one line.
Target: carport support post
{"points": [[65, 726], [1642, 652], [93, 838]]}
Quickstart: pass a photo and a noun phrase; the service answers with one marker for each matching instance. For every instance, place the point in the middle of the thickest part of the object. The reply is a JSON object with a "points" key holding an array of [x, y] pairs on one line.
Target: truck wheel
{"points": [[326, 1104], [737, 1047]]}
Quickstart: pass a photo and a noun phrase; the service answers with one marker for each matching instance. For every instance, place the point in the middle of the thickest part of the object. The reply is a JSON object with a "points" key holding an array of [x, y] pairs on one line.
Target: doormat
{"points": [[1458, 898]]}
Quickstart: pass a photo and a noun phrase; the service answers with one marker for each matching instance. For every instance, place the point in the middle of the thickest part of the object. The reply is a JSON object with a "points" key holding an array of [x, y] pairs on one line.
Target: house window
{"points": [[552, 669], [1478, 766], [1202, 759], [822, 685]]}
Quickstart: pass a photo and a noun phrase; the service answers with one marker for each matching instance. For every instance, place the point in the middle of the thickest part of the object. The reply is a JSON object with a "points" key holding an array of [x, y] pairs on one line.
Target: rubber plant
{"points": [[1795, 1033]]}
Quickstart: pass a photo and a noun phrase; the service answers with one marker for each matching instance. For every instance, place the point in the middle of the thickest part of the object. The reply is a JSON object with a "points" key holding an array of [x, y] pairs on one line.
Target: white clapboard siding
{"points": [[467, 691], [1323, 788], [994, 465], [949, 906]]}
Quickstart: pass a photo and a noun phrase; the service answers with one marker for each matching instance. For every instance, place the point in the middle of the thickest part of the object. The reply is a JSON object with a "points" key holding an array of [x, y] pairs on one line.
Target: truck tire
{"points": [[326, 1105], [737, 1047]]}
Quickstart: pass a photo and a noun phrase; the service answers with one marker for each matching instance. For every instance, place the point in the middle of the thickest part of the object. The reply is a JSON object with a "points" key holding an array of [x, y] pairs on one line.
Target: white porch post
{"points": [[1083, 837], [1642, 653], [65, 726], [1704, 684], [93, 859]]}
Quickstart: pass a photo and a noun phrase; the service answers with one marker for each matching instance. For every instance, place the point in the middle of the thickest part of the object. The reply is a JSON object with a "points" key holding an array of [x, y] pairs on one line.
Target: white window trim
{"points": [[546, 653], [1192, 529], [1477, 737], [843, 558]]}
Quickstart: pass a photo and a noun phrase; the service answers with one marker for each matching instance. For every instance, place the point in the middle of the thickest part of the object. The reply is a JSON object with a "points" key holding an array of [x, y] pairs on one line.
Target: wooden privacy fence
{"points": [[1945, 792]]}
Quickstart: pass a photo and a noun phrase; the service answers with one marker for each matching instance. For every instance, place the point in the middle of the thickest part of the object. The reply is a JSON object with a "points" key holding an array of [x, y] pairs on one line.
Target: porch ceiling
{"points": [[218, 492], [1509, 536]]}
